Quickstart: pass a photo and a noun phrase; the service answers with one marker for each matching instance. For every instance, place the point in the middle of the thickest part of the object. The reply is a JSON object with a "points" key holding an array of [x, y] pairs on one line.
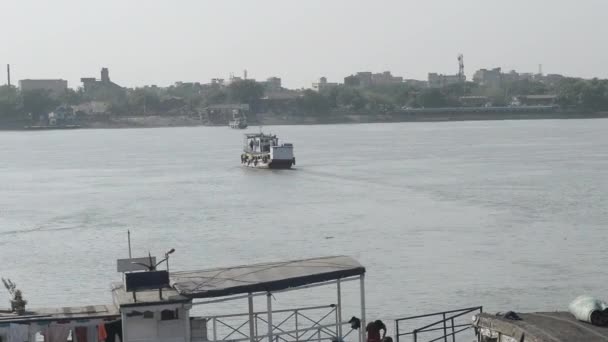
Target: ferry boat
{"points": [[264, 151], [239, 121]]}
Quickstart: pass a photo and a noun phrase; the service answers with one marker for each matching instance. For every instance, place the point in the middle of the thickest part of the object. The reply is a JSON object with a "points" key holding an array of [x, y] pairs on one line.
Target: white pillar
{"points": [[125, 325], [186, 312], [339, 308], [269, 304], [251, 319], [363, 324]]}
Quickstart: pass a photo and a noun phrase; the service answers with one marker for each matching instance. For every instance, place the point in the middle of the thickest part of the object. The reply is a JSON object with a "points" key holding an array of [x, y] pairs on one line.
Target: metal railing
{"points": [[447, 323], [305, 324]]}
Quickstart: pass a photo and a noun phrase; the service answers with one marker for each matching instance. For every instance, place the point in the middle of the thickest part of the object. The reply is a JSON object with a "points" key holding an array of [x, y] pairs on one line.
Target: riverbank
{"points": [[267, 119]]}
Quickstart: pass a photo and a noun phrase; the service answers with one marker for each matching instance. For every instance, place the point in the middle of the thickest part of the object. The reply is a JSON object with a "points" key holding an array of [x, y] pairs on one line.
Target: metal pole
{"points": [[453, 331], [445, 329], [363, 325], [251, 318], [339, 312], [214, 329], [269, 305], [129, 239], [167, 259], [397, 330], [297, 332]]}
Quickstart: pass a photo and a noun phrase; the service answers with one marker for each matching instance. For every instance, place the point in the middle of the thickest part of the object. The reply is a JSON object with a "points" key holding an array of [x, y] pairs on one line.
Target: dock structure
{"points": [[155, 306]]}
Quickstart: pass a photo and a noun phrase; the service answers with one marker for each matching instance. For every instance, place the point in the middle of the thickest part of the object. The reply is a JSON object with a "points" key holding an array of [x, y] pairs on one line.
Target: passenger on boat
{"points": [[373, 331]]}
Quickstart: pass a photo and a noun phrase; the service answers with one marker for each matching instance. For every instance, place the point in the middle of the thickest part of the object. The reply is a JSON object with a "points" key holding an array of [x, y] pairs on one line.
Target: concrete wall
{"points": [[149, 327]]}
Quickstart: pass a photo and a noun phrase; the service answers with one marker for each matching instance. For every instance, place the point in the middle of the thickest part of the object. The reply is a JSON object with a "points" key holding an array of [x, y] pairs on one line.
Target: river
{"points": [[512, 215]]}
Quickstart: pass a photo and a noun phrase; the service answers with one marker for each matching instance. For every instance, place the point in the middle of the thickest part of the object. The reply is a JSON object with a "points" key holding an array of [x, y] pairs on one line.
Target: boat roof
{"points": [[261, 135], [125, 299], [264, 277], [72, 313], [543, 327]]}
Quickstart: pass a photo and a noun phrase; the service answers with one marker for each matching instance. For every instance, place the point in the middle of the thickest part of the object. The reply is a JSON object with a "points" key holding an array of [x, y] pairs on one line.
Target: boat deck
{"points": [[543, 327]]}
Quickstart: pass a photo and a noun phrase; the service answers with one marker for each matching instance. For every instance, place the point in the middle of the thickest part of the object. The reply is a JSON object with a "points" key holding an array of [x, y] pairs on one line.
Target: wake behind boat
{"points": [[264, 151]]}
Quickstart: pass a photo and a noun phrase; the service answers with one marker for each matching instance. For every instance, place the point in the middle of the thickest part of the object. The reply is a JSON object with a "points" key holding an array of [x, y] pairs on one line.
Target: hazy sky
{"points": [[160, 42]]}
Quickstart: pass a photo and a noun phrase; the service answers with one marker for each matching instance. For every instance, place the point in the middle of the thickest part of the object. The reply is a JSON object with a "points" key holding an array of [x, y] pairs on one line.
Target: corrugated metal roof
{"points": [[62, 313], [273, 276]]}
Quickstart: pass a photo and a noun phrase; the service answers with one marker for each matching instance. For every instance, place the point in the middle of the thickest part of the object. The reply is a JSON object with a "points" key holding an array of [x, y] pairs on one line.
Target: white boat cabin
{"points": [[260, 143]]}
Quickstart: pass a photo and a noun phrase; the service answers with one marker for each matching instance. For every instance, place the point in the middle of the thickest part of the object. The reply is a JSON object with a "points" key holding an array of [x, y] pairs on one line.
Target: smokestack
{"points": [[8, 74], [245, 74]]}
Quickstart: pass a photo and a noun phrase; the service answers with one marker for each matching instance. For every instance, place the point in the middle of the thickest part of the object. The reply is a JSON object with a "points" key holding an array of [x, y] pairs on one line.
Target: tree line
{"points": [[574, 93]]}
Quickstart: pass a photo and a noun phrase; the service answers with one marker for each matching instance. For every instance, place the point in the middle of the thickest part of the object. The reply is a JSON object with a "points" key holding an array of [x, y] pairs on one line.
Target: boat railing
{"points": [[304, 324], [437, 326]]}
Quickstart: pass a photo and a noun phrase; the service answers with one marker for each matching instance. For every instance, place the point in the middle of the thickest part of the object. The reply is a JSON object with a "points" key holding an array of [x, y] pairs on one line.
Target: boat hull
{"points": [[266, 163]]}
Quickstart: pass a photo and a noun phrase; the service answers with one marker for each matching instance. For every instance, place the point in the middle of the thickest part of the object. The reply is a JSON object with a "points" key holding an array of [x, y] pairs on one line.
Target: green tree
{"points": [[38, 102], [9, 101], [312, 102], [214, 95], [245, 91], [72, 97], [432, 98], [350, 98], [143, 100]]}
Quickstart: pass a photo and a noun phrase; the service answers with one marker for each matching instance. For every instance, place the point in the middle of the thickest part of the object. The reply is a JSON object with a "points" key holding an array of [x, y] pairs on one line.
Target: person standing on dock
{"points": [[373, 331]]}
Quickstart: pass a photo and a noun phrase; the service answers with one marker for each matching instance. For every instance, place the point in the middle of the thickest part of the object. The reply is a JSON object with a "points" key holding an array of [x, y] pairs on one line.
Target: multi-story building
{"points": [[439, 80], [386, 78], [54, 87], [323, 85], [489, 78], [272, 84]]}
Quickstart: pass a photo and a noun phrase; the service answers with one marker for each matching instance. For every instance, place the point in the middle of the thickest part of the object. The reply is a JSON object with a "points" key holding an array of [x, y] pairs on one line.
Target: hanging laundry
{"points": [[81, 334], [19, 333], [92, 334], [56, 333], [102, 335], [114, 329]]}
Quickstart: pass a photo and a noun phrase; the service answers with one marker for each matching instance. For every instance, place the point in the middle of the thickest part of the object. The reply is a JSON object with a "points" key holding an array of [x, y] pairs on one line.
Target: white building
{"points": [[323, 85]]}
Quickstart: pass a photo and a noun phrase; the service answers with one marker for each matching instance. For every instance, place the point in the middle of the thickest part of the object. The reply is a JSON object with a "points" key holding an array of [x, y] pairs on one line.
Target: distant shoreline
{"points": [[272, 120]]}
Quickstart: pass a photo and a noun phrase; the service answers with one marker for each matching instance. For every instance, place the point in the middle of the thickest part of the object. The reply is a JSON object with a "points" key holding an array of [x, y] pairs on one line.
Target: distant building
{"points": [[323, 85], [537, 100], [439, 80], [552, 79], [55, 88], [91, 108], [474, 101], [511, 76], [385, 78], [526, 76], [272, 84], [218, 82], [103, 89], [352, 81], [488, 78], [416, 83], [365, 79]]}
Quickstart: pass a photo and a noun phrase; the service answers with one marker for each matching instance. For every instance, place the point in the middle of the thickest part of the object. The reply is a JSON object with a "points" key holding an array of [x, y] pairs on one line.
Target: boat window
{"points": [[167, 315], [148, 314], [134, 314]]}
